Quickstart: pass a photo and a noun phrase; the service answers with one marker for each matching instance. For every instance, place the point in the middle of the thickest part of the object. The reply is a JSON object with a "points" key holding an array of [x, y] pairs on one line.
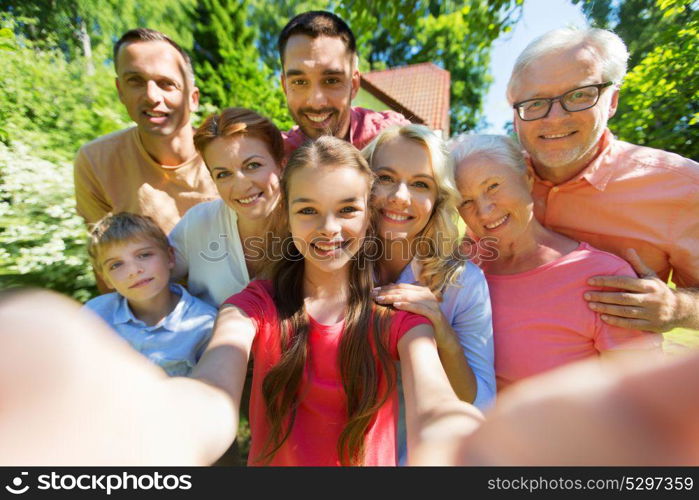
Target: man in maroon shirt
{"points": [[320, 77]]}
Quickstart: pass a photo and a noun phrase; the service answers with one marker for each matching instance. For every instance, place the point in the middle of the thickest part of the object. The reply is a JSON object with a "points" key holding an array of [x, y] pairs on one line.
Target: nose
{"points": [[330, 225], [484, 206], [556, 110], [153, 93], [316, 99], [400, 195], [135, 268]]}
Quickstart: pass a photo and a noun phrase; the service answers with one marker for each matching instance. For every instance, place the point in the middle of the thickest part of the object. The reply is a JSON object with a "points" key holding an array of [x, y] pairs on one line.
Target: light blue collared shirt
{"points": [[176, 343]]}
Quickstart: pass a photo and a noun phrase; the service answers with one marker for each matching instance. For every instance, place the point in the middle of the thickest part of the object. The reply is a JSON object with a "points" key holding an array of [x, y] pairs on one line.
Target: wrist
{"points": [[686, 309]]}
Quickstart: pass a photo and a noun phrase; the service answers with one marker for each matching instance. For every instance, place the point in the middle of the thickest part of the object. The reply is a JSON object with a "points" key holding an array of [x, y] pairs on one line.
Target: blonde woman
{"points": [[419, 266]]}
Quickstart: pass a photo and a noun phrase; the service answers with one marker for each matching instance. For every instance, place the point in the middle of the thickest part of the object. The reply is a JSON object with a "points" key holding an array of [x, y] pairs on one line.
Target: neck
{"points": [[397, 254], [154, 310], [535, 247], [324, 285], [170, 150], [250, 228]]}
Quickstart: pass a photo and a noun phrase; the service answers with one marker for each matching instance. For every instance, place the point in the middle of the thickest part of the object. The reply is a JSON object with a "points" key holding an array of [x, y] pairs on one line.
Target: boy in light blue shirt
{"points": [[159, 319]]}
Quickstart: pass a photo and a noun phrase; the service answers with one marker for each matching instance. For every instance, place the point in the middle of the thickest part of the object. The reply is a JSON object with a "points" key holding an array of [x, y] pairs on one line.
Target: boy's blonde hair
{"points": [[119, 228]]}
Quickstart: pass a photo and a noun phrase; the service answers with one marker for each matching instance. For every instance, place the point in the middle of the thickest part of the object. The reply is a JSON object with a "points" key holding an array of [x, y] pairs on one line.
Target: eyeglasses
{"points": [[578, 99]]}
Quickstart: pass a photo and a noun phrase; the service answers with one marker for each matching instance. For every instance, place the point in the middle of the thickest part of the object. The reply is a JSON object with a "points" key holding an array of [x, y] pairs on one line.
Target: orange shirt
{"points": [[630, 196], [114, 173]]}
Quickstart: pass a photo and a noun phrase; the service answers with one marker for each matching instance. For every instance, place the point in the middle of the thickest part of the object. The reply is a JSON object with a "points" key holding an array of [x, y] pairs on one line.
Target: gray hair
{"points": [[498, 148], [608, 47]]}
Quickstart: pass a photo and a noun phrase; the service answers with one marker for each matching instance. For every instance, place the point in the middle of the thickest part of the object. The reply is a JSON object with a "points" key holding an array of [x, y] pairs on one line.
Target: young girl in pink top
{"points": [[323, 389]]}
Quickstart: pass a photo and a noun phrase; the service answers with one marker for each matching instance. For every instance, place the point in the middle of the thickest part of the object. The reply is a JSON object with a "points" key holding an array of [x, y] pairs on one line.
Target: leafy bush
{"points": [[42, 240]]}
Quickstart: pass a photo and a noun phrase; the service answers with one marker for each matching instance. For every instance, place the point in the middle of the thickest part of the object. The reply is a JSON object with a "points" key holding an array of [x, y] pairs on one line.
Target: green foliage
{"points": [[456, 35], [659, 102], [227, 63], [42, 240]]}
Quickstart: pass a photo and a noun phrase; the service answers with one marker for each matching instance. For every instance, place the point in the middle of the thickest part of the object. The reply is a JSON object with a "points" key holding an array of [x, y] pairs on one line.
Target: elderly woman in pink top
{"points": [[536, 276]]}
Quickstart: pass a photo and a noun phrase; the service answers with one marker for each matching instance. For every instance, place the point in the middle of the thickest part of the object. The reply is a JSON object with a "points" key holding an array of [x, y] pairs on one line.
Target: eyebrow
{"points": [[329, 71], [246, 160], [352, 199], [426, 176], [104, 262]]}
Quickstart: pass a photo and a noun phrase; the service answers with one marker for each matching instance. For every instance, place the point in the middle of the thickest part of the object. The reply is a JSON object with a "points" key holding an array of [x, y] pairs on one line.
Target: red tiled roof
{"points": [[419, 91]]}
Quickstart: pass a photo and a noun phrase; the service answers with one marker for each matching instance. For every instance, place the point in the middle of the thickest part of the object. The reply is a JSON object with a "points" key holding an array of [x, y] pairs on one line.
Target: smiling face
{"points": [[328, 215], [496, 199], [138, 268], [320, 81], [406, 191], [245, 174], [154, 88], [563, 143]]}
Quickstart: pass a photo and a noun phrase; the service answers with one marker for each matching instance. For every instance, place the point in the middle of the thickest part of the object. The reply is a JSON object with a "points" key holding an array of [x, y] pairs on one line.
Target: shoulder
{"points": [[657, 160], [470, 283], [593, 259], [104, 305], [380, 119], [206, 210], [109, 142], [196, 306], [259, 292]]}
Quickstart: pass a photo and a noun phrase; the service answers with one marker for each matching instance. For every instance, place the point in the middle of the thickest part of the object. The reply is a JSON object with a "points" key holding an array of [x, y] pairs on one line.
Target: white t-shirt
{"points": [[208, 250]]}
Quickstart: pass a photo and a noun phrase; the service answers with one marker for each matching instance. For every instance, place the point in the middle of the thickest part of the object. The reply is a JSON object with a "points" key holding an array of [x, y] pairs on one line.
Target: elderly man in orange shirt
{"points": [[637, 202]]}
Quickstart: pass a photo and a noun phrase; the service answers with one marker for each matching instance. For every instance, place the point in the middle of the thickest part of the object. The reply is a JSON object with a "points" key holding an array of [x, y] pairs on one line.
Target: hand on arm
{"points": [[435, 418], [644, 303], [419, 299]]}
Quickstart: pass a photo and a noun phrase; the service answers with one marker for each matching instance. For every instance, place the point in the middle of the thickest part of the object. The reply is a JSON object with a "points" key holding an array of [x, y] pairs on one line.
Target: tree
{"points": [[456, 35], [659, 103], [228, 65]]}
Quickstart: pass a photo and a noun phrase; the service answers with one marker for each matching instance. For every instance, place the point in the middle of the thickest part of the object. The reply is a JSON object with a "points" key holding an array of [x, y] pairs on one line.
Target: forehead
{"points": [[474, 170], [154, 57], [306, 54], [234, 149], [404, 156], [328, 184], [557, 72]]}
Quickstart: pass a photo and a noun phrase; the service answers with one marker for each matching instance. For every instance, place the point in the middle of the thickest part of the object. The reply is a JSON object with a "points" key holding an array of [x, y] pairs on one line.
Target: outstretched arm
{"points": [[73, 393], [432, 409]]}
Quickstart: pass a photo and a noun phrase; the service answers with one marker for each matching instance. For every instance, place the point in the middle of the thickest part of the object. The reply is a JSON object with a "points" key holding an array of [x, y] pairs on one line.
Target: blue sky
{"points": [[539, 16]]}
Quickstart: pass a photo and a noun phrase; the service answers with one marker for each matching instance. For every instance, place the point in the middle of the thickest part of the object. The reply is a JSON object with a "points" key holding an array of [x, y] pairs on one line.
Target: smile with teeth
{"points": [[497, 223], [250, 199], [329, 246], [396, 217], [155, 114], [557, 136], [318, 118]]}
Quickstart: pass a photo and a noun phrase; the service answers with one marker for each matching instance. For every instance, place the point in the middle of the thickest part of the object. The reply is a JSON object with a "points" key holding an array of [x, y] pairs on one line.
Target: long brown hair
{"points": [[364, 357]]}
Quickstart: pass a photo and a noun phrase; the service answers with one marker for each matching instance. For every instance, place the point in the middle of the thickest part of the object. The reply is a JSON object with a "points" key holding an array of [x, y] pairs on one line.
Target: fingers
{"points": [[639, 266], [628, 323], [622, 311], [618, 298], [622, 282]]}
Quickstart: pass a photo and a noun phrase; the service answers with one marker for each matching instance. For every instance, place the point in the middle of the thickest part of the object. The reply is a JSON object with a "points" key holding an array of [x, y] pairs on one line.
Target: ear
{"points": [[194, 99], [283, 79], [356, 80], [614, 103], [118, 87]]}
